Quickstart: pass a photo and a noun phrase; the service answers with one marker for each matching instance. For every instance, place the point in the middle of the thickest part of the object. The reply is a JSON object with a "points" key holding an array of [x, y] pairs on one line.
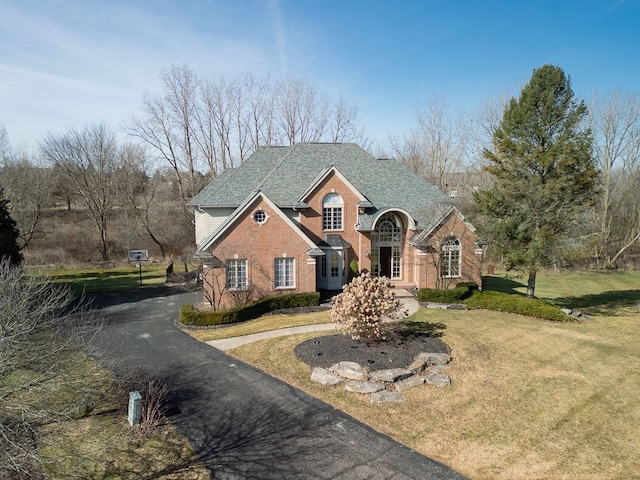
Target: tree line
{"points": [[131, 186]]}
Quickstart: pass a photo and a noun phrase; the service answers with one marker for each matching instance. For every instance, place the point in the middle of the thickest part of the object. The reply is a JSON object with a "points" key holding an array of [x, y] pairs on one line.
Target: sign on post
{"points": [[137, 257]]}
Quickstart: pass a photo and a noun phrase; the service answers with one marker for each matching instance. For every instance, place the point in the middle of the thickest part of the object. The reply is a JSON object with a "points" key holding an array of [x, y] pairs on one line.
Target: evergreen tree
{"points": [[544, 172], [9, 247]]}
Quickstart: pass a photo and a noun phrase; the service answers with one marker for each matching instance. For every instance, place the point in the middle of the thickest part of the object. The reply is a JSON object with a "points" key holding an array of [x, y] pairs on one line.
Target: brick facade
{"points": [[260, 245], [288, 185]]}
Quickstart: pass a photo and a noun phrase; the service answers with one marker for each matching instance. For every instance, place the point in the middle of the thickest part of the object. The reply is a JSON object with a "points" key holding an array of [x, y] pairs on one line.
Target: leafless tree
{"points": [[39, 328], [140, 193], [169, 124], [434, 149], [207, 126], [90, 159], [477, 132], [29, 188], [615, 122]]}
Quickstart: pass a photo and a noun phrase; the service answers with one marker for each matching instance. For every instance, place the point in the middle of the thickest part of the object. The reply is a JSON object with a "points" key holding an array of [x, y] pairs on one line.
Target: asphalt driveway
{"points": [[244, 423]]}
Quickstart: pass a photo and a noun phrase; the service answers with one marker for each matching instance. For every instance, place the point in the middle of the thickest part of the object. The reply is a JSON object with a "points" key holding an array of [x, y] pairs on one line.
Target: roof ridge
{"points": [[289, 150]]}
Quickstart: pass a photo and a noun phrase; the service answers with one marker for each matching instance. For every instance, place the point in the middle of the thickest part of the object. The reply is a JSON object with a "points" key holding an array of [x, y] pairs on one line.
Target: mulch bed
{"points": [[397, 353]]}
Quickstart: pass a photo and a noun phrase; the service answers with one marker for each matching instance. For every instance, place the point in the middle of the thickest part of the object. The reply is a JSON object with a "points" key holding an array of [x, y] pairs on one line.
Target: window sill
{"points": [[285, 288]]}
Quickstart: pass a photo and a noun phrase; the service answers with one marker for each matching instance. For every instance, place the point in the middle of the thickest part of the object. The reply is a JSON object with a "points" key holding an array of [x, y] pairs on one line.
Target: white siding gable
{"points": [[208, 219]]}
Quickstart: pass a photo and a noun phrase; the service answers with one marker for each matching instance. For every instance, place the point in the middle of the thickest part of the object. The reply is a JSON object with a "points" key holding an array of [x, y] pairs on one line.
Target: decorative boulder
{"points": [[391, 374], [409, 382], [325, 377], [350, 370]]}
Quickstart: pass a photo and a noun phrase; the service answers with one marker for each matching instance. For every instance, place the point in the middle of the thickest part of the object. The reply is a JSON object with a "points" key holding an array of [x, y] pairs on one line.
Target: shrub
{"points": [[155, 397], [453, 295], [358, 310], [504, 302], [189, 316]]}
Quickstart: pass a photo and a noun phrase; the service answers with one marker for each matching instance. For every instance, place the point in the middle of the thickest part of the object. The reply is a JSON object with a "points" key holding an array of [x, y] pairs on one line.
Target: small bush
{"points": [[358, 310], [155, 397], [504, 302], [453, 295], [189, 316]]}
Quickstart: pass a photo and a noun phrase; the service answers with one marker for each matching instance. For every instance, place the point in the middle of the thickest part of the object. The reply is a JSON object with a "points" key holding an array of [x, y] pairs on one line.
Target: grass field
{"points": [[109, 279], [530, 399]]}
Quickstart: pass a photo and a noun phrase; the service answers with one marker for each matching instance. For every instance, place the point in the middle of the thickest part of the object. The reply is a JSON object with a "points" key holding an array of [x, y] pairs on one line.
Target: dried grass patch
{"points": [[262, 324], [529, 399]]}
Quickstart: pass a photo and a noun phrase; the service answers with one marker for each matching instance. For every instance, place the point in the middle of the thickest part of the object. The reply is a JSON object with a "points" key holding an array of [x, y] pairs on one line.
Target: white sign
{"points": [[138, 255]]}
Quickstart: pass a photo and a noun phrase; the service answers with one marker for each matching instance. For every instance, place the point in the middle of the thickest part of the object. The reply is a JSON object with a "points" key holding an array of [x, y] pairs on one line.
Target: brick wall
{"points": [[470, 268], [260, 245]]}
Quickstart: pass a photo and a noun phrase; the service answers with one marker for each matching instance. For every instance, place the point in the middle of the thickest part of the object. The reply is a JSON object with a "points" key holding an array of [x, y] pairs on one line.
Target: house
{"points": [[307, 217]]}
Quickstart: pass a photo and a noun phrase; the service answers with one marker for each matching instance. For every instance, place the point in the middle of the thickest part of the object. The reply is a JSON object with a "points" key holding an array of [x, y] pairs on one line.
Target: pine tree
{"points": [[544, 172], [9, 247]]}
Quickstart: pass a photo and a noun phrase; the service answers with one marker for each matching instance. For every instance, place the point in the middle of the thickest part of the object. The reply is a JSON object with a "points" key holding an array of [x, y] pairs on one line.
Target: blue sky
{"points": [[66, 63]]}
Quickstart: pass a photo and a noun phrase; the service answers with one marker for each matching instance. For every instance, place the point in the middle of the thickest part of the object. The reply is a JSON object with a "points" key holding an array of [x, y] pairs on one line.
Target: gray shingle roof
{"points": [[284, 174]]}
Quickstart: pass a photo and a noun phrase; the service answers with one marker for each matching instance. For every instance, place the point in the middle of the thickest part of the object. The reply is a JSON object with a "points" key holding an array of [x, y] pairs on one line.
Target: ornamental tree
{"points": [[360, 308], [544, 171]]}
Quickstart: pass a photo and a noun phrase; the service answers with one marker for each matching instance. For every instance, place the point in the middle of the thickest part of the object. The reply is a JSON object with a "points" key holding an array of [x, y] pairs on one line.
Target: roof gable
{"points": [[246, 205]]}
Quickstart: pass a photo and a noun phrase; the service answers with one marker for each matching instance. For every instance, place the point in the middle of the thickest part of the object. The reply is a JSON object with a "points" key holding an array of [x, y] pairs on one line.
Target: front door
{"points": [[385, 262]]}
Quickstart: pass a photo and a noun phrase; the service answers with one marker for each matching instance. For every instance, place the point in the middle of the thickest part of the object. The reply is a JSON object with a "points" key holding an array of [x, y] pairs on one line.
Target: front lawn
{"points": [[530, 399]]}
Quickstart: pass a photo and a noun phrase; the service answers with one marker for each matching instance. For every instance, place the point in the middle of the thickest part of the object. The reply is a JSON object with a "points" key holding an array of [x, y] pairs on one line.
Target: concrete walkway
{"points": [[408, 301]]}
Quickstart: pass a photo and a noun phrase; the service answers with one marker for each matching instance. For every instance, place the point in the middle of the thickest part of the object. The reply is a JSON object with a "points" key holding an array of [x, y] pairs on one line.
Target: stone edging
{"points": [[385, 385]]}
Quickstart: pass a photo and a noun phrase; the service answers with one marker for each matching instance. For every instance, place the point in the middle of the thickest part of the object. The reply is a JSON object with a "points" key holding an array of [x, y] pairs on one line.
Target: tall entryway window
{"points": [[386, 247]]}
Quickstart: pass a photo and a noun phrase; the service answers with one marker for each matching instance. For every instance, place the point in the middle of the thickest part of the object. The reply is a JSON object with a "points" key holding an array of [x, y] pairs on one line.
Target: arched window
{"points": [[450, 257], [388, 229], [386, 247], [332, 212]]}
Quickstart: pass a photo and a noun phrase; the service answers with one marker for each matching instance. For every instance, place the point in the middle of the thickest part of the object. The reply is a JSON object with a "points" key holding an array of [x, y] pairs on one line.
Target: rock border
{"points": [[385, 386]]}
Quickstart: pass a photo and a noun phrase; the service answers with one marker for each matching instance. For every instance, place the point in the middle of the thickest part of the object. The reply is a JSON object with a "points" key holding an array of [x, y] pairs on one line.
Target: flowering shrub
{"points": [[360, 308]]}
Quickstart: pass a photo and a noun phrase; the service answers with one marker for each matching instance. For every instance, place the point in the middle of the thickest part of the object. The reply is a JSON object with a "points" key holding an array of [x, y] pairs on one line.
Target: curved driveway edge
{"points": [[243, 423]]}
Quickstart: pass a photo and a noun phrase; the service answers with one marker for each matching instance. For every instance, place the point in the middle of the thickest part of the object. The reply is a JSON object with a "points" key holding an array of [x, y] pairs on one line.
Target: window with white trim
{"points": [[450, 257], [237, 274], [260, 217], [332, 212], [285, 272]]}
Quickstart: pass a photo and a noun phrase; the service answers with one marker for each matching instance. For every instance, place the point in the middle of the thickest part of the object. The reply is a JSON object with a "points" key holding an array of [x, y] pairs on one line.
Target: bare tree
{"points": [[29, 187], [90, 160], [434, 149], [39, 329], [140, 192], [615, 122], [207, 126]]}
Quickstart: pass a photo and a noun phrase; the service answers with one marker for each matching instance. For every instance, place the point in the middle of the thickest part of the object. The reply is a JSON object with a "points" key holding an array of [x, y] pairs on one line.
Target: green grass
{"points": [[593, 293], [108, 279]]}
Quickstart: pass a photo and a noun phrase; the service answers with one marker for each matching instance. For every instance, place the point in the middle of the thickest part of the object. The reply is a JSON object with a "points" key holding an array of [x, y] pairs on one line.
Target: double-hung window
{"points": [[332, 212], [450, 258], [285, 272], [237, 274]]}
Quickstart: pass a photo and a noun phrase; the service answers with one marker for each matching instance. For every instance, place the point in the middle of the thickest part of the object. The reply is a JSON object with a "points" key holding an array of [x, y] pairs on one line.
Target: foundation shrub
{"points": [[452, 295], [190, 316], [504, 302]]}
